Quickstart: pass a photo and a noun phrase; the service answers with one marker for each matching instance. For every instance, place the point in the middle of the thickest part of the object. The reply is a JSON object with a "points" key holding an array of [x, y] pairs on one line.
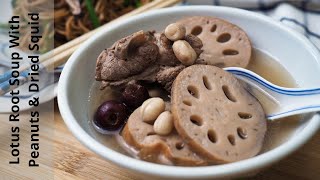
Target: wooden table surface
{"points": [[303, 164], [71, 160]]}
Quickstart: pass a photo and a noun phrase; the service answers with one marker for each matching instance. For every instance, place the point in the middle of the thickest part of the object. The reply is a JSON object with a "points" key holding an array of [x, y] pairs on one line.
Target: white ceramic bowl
{"points": [[291, 49]]}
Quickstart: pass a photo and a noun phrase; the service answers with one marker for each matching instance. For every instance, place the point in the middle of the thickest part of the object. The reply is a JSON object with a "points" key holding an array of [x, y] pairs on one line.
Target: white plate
{"points": [[48, 86]]}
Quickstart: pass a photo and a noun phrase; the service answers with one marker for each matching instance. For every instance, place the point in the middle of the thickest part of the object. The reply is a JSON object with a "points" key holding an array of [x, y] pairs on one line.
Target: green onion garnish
{"points": [[126, 3], [138, 3], [92, 14]]}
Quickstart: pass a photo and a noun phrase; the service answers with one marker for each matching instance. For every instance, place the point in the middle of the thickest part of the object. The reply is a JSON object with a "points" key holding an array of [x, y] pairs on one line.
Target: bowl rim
{"points": [[244, 166]]}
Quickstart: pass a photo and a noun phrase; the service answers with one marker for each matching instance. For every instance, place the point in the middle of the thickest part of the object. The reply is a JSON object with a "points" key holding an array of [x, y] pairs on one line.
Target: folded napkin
{"points": [[300, 15]]}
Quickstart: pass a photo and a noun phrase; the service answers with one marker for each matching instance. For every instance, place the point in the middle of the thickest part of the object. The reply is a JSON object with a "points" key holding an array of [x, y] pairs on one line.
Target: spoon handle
{"points": [[278, 101], [294, 103]]}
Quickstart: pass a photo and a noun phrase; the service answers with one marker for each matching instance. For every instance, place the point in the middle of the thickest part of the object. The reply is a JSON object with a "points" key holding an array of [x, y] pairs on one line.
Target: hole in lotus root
{"points": [[242, 133], [193, 91], [213, 28], [230, 52], [225, 37], [212, 136], [206, 82], [151, 133], [244, 115], [228, 94], [196, 30], [232, 140], [188, 103], [197, 120], [179, 145], [220, 65]]}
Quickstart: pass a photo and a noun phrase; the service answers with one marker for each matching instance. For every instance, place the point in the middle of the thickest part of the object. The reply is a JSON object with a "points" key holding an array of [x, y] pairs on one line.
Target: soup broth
{"points": [[278, 131]]}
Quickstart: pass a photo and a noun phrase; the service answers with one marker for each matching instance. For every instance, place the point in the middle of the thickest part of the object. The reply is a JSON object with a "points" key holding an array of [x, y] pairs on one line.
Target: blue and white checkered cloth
{"points": [[300, 15]]}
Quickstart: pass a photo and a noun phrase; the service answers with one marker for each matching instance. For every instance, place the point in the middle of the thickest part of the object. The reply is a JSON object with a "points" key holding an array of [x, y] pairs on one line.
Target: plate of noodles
{"points": [[61, 21], [72, 19]]}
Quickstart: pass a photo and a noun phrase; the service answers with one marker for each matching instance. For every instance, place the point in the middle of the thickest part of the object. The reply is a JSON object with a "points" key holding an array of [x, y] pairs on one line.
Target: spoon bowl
{"points": [[277, 101]]}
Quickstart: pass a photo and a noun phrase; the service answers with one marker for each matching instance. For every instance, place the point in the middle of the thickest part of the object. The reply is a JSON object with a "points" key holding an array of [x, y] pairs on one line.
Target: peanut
{"points": [[175, 31], [184, 52], [163, 124], [152, 108]]}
